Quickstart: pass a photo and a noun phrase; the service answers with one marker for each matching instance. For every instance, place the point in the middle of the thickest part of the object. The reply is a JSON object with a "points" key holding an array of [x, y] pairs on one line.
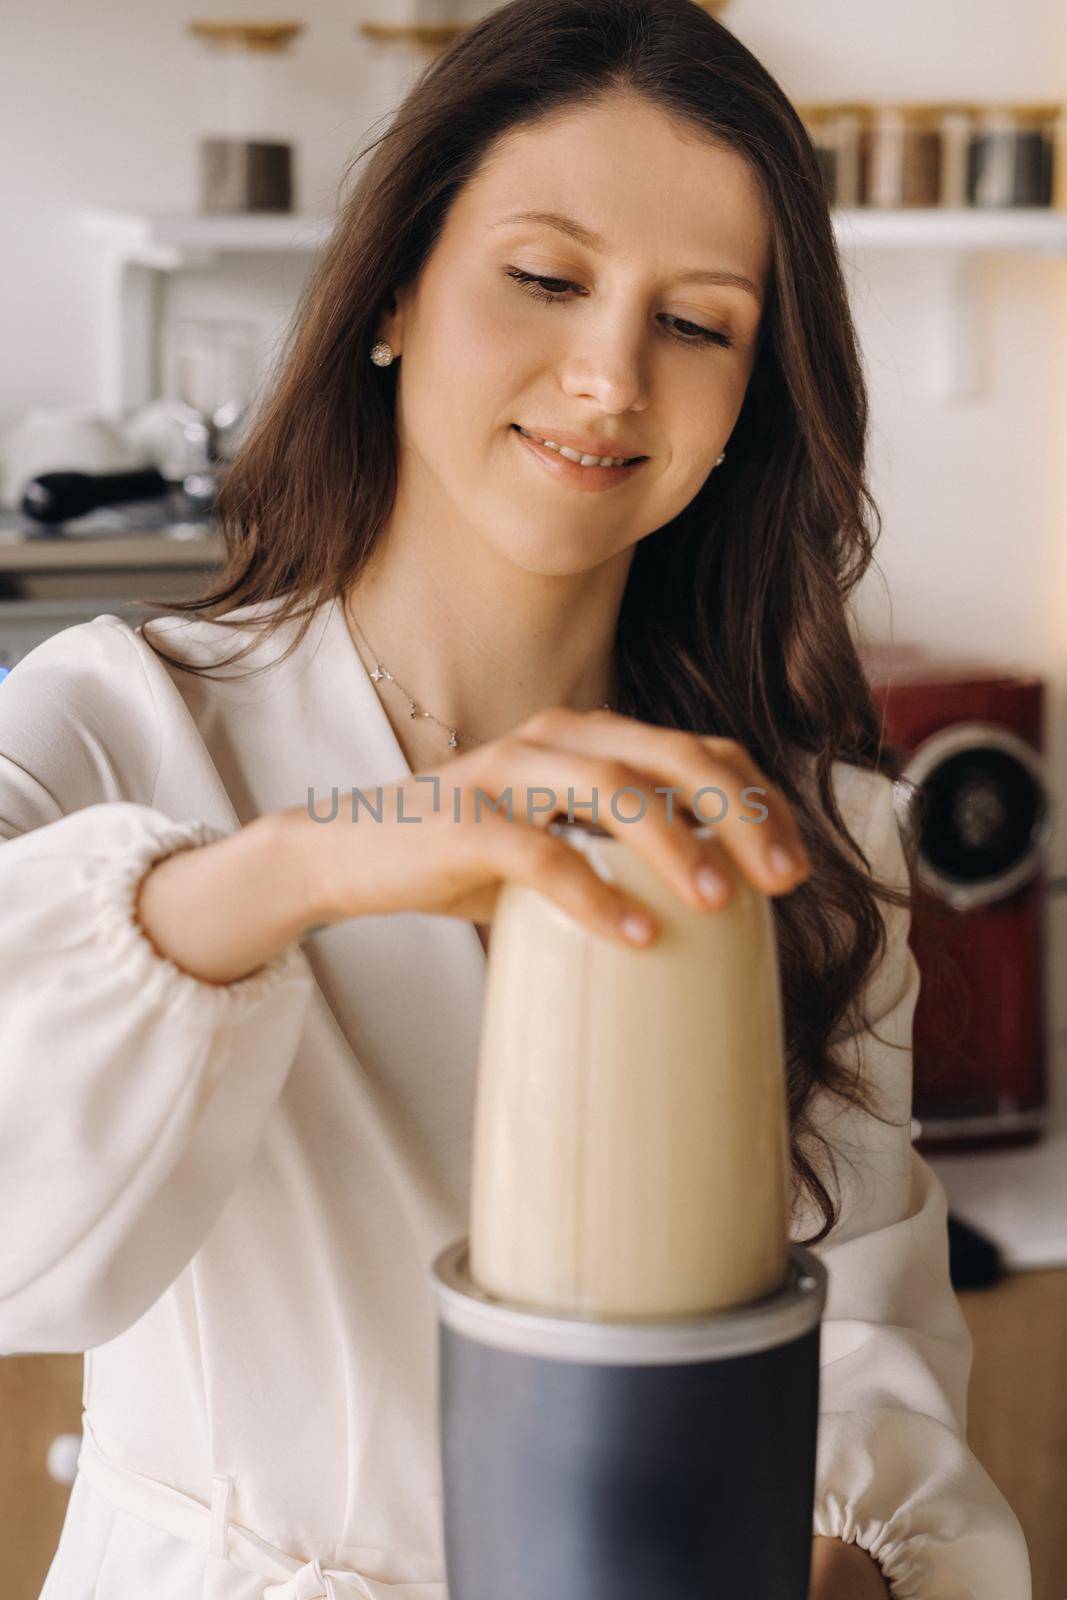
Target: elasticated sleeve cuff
{"points": [[113, 882], [909, 1491]]}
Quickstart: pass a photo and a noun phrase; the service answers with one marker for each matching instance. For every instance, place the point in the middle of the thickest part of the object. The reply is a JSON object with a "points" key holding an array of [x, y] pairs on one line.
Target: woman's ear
{"points": [[391, 324]]}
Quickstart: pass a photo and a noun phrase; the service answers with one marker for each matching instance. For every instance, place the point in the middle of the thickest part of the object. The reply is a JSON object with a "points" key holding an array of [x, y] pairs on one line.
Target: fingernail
{"points": [[710, 884], [636, 928], [781, 862]]}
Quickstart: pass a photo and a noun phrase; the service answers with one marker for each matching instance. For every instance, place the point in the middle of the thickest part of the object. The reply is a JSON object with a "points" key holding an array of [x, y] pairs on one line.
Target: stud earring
{"points": [[382, 354]]}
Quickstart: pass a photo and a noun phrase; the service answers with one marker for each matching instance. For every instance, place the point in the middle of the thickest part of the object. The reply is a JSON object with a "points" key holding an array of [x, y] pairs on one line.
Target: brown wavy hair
{"points": [[734, 617]]}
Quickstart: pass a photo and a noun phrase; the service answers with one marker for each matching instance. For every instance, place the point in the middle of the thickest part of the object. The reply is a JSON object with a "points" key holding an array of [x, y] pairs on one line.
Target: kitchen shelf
{"points": [[136, 248], [170, 242], [1024, 231], [167, 243]]}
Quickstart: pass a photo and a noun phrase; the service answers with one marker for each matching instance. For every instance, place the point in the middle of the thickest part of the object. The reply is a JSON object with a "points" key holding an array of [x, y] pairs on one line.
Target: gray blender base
{"points": [[592, 1480]]}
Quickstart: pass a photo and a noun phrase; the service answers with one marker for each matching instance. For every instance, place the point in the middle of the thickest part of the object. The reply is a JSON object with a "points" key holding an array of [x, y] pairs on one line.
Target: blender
{"points": [[628, 1342]]}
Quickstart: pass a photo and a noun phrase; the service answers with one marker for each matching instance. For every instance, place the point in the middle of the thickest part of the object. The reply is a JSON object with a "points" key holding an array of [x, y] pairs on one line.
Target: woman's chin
{"points": [[551, 552], [553, 559]]}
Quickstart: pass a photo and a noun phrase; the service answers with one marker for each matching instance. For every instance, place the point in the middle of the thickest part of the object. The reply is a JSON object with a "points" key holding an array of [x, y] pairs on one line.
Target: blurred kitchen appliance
{"points": [[62, 439], [209, 362], [246, 161], [56, 497], [210, 373], [193, 452], [975, 789]]}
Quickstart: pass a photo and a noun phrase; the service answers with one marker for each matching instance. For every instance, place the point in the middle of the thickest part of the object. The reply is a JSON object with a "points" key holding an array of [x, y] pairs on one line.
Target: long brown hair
{"points": [[734, 616]]}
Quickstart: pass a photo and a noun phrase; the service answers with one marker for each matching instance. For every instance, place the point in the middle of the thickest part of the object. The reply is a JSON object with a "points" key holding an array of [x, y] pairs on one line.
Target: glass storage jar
{"points": [[901, 156], [246, 157], [957, 124], [1012, 155], [835, 133]]}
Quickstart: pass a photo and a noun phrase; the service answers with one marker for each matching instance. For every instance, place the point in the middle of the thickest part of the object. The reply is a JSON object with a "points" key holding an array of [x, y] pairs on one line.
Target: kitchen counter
{"points": [[128, 561], [142, 551], [131, 539]]}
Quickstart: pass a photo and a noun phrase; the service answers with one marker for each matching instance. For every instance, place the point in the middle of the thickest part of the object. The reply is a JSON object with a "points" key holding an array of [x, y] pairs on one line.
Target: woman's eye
{"points": [[554, 290], [543, 288], [697, 335]]}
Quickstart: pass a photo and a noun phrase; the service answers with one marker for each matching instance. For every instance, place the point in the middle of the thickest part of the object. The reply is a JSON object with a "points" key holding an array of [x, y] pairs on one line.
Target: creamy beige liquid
{"points": [[630, 1138]]}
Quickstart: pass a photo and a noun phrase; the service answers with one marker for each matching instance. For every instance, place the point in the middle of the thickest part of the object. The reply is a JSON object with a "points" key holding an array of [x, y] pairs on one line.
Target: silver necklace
{"points": [[455, 738]]}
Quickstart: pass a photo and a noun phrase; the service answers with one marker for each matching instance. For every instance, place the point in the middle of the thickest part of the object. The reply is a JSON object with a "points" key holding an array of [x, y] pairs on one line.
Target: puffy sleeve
{"points": [[132, 1095], [894, 1471]]}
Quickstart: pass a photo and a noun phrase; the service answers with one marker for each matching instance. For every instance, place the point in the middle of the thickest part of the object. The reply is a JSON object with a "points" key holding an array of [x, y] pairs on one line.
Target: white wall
{"points": [[99, 104]]}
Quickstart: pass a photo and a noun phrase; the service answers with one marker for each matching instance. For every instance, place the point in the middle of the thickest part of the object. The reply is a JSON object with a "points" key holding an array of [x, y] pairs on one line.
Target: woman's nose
{"points": [[607, 364]]}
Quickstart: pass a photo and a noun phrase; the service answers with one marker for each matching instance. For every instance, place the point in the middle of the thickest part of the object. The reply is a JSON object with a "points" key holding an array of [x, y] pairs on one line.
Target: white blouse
{"points": [[228, 1196]]}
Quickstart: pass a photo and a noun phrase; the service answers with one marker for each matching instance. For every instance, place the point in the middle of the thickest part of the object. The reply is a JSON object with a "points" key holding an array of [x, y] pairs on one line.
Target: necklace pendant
{"points": [[414, 709], [453, 743]]}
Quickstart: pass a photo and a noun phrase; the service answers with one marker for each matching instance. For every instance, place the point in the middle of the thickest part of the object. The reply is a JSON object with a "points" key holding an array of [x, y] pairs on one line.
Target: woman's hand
{"points": [[842, 1571], [457, 867]]}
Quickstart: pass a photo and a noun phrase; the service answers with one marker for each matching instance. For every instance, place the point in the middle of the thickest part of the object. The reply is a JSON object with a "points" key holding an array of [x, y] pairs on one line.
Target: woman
{"points": [[241, 1028]]}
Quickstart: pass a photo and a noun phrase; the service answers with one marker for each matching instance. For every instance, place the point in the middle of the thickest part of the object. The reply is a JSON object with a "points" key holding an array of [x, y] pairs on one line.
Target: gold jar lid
{"points": [[426, 35], [1039, 113], [926, 111], [1026, 115], [814, 113], [248, 35], [943, 108], [910, 111]]}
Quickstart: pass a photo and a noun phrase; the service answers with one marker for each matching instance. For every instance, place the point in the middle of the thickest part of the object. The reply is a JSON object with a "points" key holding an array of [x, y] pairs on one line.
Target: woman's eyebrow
{"points": [[593, 241]]}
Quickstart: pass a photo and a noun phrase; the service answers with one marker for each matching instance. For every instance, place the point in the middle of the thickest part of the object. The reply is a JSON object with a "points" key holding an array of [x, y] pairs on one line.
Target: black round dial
{"points": [[980, 810]]}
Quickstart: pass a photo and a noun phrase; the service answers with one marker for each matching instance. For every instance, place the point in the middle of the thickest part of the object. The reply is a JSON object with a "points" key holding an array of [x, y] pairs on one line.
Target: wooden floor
{"points": [[40, 1397], [1018, 1430], [1018, 1410]]}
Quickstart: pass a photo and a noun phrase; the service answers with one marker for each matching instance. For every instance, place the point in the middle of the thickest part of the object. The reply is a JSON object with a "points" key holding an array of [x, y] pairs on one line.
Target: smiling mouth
{"points": [[576, 456]]}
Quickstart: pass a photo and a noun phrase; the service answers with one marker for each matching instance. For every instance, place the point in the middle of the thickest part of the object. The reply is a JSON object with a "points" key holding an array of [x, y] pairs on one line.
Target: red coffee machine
{"points": [[974, 790]]}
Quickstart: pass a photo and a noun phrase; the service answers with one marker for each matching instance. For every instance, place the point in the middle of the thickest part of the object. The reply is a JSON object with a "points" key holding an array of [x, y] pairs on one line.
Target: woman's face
{"points": [[598, 284]]}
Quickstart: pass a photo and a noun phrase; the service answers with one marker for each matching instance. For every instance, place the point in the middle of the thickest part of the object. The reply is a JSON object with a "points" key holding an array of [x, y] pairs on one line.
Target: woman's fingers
{"points": [[713, 778], [486, 821], [541, 782], [543, 862]]}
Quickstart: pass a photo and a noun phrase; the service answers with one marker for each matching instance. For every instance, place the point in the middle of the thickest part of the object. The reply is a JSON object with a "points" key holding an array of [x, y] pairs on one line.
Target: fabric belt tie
{"points": [[210, 1528], [311, 1583]]}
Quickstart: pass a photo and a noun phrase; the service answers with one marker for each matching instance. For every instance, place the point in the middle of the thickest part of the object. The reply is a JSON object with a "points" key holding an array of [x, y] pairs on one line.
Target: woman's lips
{"points": [[569, 472]]}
